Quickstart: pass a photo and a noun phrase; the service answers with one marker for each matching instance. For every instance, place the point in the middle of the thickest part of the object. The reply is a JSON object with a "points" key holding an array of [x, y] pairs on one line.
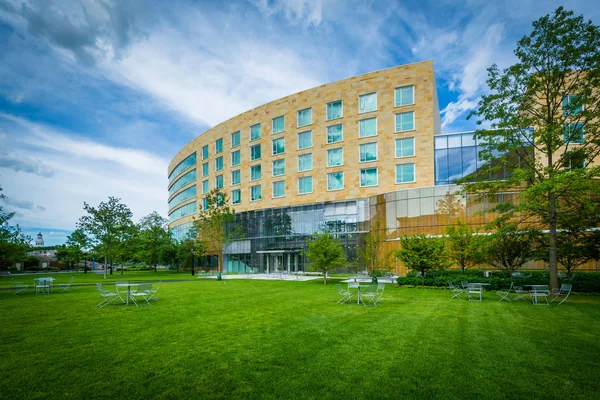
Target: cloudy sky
{"points": [[96, 96]]}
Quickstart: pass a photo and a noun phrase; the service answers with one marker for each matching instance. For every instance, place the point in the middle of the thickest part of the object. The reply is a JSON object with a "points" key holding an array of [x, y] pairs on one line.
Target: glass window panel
{"points": [[405, 173], [278, 167], [305, 162], [278, 124], [335, 157], [454, 141], [218, 164], [573, 133], [404, 96], [441, 167], [279, 146], [205, 170], [219, 182], [305, 185], [469, 160], [205, 187], [182, 166], [236, 177], [255, 172], [572, 105], [304, 140], [205, 203], [405, 147], [255, 132], [368, 152], [405, 121], [279, 189], [235, 139], [441, 142], [334, 110], [305, 117], [454, 164], [255, 193], [468, 139], [218, 146], [182, 211], [187, 194], [368, 177], [186, 178], [235, 158], [205, 152], [255, 152], [236, 196], [335, 181], [367, 127], [367, 102], [335, 133]]}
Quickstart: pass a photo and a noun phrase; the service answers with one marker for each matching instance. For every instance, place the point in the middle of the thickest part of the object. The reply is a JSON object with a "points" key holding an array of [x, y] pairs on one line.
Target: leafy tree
{"points": [[554, 89], [508, 248], [216, 225], [371, 252], [154, 234], [422, 253], [74, 249], [463, 246], [106, 224], [14, 244], [324, 253], [189, 250]]}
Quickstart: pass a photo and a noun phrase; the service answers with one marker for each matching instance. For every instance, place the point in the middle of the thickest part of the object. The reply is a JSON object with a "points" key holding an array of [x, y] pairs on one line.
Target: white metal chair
{"points": [[475, 293], [538, 293], [143, 291], [345, 295], [456, 291], [42, 284], [119, 291], [107, 296], [368, 293], [565, 290], [504, 294], [520, 293], [379, 292], [153, 292], [18, 286], [65, 286]]}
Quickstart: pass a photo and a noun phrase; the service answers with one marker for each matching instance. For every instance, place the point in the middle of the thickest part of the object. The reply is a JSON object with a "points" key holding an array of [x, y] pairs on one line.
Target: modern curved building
{"points": [[329, 158]]}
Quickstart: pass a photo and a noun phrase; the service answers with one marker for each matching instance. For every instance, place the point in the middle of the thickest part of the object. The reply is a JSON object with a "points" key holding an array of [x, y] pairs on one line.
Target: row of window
{"points": [[183, 165]]}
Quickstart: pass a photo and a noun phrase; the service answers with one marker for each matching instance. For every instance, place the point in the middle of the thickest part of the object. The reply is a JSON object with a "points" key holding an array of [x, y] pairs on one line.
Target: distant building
{"points": [[39, 242]]}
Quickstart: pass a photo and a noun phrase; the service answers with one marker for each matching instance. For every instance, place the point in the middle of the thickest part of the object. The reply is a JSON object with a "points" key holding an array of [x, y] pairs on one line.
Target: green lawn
{"points": [[268, 339]]}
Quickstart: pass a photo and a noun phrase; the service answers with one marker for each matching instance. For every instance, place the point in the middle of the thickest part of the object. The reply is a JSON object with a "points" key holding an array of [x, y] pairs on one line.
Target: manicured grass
{"points": [[269, 339]]}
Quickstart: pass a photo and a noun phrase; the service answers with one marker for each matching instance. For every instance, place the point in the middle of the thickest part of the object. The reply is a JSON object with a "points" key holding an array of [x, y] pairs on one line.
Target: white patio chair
{"points": [[465, 285], [153, 292], [143, 291], [456, 291], [504, 294], [18, 286], [520, 293], [379, 292], [107, 296], [538, 293], [65, 286], [345, 295], [122, 290], [368, 294], [475, 293], [42, 284], [565, 290]]}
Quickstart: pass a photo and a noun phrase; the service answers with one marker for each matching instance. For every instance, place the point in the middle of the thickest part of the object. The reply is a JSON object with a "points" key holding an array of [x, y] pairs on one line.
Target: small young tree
{"points": [[422, 253], [154, 234], [325, 253], [463, 246], [14, 244], [508, 248], [216, 224], [106, 224]]}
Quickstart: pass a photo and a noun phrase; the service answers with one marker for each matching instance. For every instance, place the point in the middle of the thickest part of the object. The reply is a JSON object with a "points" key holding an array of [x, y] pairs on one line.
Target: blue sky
{"points": [[96, 96]]}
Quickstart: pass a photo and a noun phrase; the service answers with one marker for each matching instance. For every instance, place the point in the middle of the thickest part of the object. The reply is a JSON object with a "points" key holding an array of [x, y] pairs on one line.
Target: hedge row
{"points": [[587, 282]]}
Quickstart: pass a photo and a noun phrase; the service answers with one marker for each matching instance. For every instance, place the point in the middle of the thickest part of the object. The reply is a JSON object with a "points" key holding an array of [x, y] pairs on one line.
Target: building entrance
{"points": [[281, 262]]}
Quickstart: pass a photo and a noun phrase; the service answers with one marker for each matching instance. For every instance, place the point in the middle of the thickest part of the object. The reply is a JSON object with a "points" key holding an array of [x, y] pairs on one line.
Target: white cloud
{"points": [[303, 12]]}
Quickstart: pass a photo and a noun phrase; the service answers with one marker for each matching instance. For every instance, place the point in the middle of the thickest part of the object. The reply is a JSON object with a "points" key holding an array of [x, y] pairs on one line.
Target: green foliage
{"points": [[14, 244], [325, 253], [551, 163], [509, 248], [574, 248], [422, 253], [463, 246], [154, 236], [370, 251]]}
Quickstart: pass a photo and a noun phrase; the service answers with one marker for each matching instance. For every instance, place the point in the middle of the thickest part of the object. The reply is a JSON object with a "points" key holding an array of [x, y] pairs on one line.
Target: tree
{"points": [[154, 234], [216, 225], [544, 114], [106, 224], [463, 246], [324, 253], [189, 250], [508, 248], [371, 252], [422, 253], [14, 244], [76, 244]]}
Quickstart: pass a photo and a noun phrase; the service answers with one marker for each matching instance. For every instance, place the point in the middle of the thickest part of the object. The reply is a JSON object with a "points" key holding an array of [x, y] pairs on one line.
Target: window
{"points": [[218, 164], [305, 162], [235, 158], [368, 152], [278, 124], [305, 117], [182, 166], [335, 157], [367, 127], [236, 177], [405, 121], [367, 102], [218, 146], [574, 160], [334, 133], [405, 147], [205, 187], [572, 104], [335, 181], [185, 179], [404, 96], [573, 133], [236, 196], [255, 172], [205, 203], [205, 169], [304, 140], [368, 177], [205, 152], [255, 152], [255, 132], [279, 189], [187, 194], [278, 146], [334, 110], [278, 167], [235, 139], [305, 185], [219, 182], [255, 193], [405, 173]]}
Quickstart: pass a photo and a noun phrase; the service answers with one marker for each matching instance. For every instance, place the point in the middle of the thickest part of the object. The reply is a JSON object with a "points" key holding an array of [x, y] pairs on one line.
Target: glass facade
{"points": [[183, 231], [187, 194], [456, 156], [185, 164], [182, 211], [181, 182]]}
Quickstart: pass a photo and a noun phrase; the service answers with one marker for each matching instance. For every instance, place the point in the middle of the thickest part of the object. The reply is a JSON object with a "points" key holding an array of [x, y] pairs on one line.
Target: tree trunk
{"points": [[553, 265], [105, 262]]}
